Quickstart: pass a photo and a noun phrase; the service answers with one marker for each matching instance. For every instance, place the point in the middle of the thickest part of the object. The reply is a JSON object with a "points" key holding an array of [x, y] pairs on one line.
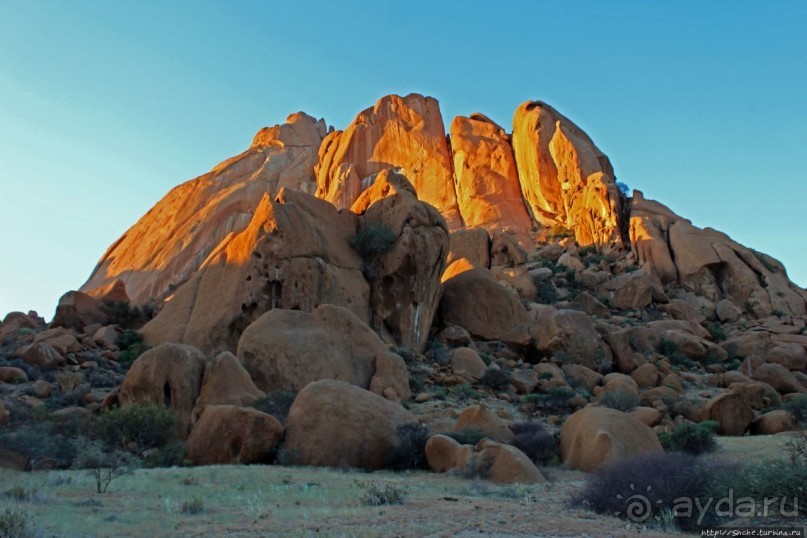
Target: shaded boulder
{"points": [[12, 374], [288, 349], [778, 377], [476, 301], [573, 334], [229, 434], [335, 424], [42, 355], [731, 412], [391, 378], [791, 356], [473, 244], [226, 382], [773, 422], [479, 417], [467, 363], [169, 375], [633, 290], [405, 280], [443, 454], [76, 310], [505, 464], [598, 436]]}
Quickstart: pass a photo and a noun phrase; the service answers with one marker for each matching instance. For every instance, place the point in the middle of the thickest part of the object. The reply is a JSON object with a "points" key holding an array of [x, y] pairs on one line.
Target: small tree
{"points": [[137, 428], [104, 465]]}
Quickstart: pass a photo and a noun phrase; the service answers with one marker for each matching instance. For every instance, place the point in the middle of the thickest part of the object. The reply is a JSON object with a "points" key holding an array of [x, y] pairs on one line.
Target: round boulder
{"points": [[335, 424], [226, 382], [229, 434], [731, 412], [598, 436], [445, 454], [169, 375]]}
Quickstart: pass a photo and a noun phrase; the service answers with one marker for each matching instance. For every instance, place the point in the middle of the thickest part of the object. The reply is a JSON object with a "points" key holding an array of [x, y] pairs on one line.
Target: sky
{"points": [[104, 106]]}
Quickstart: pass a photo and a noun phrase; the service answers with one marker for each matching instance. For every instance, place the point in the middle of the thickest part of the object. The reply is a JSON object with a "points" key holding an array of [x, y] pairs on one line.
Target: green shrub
{"points": [[374, 240], [690, 438], [621, 400], [547, 292], [495, 378], [467, 436], [128, 338], [559, 397], [138, 428], [16, 523], [797, 407], [131, 353], [411, 450], [120, 313], [464, 392], [378, 495], [667, 347], [717, 332], [534, 441], [46, 440], [276, 403]]}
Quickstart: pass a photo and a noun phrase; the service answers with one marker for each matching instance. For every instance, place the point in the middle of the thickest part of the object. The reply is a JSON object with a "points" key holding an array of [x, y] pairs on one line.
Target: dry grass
{"points": [[299, 501]]}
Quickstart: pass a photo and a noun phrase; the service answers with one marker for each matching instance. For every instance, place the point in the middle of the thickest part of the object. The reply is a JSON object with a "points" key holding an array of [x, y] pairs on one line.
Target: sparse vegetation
{"points": [[496, 378], [137, 428], [383, 495], [105, 465], [193, 507], [467, 436], [373, 240], [717, 332], [534, 441], [16, 523], [798, 408], [621, 400], [121, 313], [690, 438]]}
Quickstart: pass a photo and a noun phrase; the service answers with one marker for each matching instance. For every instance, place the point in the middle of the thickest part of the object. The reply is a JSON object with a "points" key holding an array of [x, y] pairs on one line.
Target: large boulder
{"points": [[170, 242], [398, 132], [564, 177], [42, 355], [633, 290], [731, 412], [505, 464], [336, 424], [475, 300], [226, 382], [778, 377], [595, 437], [443, 454], [472, 244], [404, 281], [76, 310], [293, 254], [229, 434], [791, 356], [773, 422], [488, 191], [169, 375], [479, 417], [572, 335], [288, 349]]}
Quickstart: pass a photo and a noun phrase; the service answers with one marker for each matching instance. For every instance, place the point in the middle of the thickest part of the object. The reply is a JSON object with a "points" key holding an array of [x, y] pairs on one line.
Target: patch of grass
{"points": [[16, 523], [193, 507], [383, 495], [690, 438]]}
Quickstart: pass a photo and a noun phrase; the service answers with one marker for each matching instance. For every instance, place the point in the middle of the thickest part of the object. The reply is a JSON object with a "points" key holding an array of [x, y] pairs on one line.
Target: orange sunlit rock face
{"points": [[488, 191], [169, 243], [398, 132], [564, 178]]}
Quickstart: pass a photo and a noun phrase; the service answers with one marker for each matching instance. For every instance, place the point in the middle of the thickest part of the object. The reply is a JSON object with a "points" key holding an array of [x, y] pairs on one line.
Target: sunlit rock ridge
{"points": [[542, 180]]}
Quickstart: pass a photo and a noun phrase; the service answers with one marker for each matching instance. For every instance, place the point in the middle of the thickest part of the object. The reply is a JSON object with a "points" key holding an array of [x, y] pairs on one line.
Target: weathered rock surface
{"points": [[597, 436], [479, 417], [170, 242], [169, 375], [488, 191], [731, 412], [445, 454], [288, 349], [572, 333], [405, 281], [505, 464], [229, 434], [294, 254], [476, 301], [335, 424], [564, 178], [405, 133], [708, 262], [226, 382]]}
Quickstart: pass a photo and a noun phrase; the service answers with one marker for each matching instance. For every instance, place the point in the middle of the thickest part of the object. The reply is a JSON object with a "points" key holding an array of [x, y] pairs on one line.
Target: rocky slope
{"points": [[480, 280]]}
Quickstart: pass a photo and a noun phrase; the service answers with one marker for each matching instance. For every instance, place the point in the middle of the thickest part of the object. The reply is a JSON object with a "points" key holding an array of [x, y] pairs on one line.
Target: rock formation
{"points": [[565, 179], [170, 242], [405, 133]]}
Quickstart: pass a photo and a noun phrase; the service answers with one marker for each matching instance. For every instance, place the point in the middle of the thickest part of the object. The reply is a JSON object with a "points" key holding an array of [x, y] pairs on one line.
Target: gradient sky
{"points": [[104, 106]]}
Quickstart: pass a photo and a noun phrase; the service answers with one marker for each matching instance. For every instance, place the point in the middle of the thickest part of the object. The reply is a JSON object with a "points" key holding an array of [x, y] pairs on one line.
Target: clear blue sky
{"points": [[104, 106]]}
